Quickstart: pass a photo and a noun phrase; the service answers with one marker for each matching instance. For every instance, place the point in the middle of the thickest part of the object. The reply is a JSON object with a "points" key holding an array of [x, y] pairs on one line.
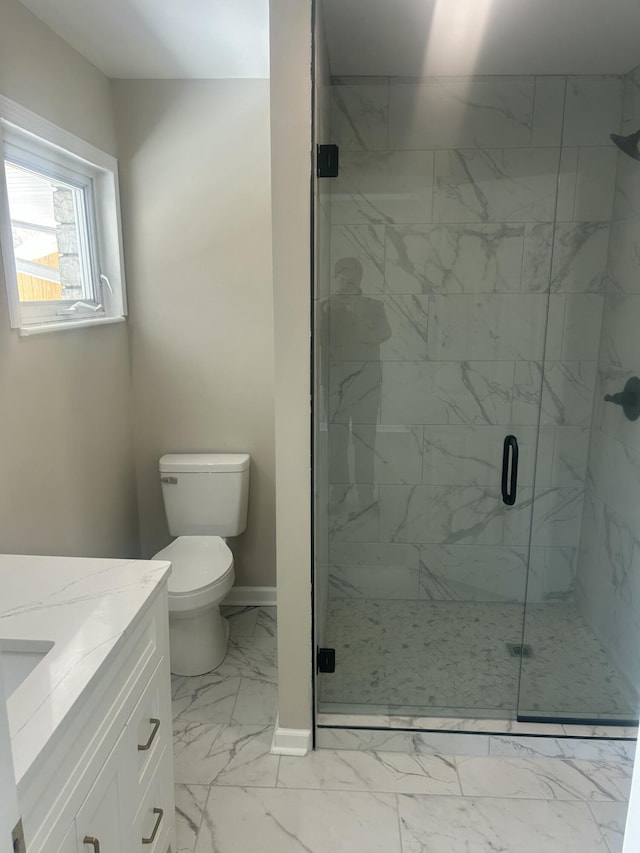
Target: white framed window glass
{"points": [[60, 233]]}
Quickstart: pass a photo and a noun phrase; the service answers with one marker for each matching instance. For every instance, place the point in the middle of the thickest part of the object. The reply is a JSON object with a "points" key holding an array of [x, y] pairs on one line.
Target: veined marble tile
{"points": [[583, 749], [556, 518], [626, 202], [580, 257], [355, 392], [242, 620], [207, 698], [190, 804], [605, 591], [360, 117], [421, 743], [631, 101], [441, 514], [461, 113], [358, 770], [256, 702], [595, 184], [447, 392], [374, 328], [548, 110], [570, 455], [266, 626], [614, 471], [363, 243], [354, 513], [450, 825], [611, 818], [473, 573], [487, 327], [282, 820], [382, 188], [382, 554], [567, 393], [224, 755], [365, 723], [536, 260], [582, 322], [474, 258], [373, 582], [544, 778], [593, 106], [250, 657], [472, 455], [555, 571], [620, 329], [495, 185], [624, 251], [567, 182]]}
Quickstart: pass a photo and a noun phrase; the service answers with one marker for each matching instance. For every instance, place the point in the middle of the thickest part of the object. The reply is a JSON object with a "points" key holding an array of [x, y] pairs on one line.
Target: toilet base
{"points": [[197, 642]]}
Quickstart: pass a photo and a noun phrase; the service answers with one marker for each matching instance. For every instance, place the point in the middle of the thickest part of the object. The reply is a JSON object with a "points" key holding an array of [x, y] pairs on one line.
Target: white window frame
{"points": [[36, 143]]}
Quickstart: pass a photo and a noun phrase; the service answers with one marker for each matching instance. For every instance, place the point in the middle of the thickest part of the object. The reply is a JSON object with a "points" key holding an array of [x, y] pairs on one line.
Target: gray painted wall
{"points": [[66, 448]]}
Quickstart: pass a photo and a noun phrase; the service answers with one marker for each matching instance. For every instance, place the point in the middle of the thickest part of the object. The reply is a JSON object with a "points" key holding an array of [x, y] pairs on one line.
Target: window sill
{"points": [[66, 325]]}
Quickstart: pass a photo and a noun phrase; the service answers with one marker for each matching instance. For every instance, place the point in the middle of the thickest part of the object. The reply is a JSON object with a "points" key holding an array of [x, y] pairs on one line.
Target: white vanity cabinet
{"points": [[106, 784]]}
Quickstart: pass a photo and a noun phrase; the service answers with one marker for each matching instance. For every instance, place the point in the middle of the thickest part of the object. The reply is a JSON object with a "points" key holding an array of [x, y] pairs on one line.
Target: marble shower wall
{"points": [[445, 256], [608, 579]]}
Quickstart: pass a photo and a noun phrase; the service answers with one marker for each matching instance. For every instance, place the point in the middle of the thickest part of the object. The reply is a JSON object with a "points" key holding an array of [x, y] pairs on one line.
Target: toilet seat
{"points": [[202, 571]]}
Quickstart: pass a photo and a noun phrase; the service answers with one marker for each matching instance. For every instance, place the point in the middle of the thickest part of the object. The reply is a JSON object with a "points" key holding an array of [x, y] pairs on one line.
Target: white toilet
{"points": [[205, 500]]}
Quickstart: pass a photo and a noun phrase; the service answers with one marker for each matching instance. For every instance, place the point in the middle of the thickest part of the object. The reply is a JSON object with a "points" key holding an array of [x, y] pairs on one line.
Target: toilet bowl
{"points": [[202, 575]]}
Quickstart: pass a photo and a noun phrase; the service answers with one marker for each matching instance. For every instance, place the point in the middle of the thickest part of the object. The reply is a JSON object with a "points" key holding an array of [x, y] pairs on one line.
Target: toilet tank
{"points": [[205, 494]]}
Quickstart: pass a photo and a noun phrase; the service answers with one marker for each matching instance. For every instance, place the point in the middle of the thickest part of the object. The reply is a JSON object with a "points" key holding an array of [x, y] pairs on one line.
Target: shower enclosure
{"points": [[477, 534]]}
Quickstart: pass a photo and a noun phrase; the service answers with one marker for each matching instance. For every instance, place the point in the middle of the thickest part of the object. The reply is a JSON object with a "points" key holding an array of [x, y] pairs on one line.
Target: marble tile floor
{"points": [[450, 658], [233, 796]]}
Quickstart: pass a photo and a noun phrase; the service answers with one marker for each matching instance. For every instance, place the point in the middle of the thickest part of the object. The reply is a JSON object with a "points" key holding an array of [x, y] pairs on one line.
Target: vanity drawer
{"points": [[153, 823], [149, 727]]}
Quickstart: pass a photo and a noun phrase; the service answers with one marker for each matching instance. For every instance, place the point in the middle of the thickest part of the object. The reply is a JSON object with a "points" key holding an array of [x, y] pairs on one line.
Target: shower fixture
{"points": [[628, 398], [628, 144]]}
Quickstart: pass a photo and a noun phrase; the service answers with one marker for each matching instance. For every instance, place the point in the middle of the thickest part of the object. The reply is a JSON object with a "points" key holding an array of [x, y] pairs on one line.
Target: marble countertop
{"points": [[87, 608]]}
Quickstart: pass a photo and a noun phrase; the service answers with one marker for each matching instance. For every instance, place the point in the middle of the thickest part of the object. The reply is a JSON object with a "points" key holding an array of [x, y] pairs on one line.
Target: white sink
{"points": [[19, 659]]}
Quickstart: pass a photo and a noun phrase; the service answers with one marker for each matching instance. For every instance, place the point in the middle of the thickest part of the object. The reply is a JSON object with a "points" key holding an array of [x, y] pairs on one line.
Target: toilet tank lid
{"points": [[188, 463]]}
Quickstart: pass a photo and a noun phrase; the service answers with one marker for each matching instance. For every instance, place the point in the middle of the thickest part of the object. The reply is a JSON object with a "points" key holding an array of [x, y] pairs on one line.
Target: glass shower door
{"points": [[582, 628], [434, 330]]}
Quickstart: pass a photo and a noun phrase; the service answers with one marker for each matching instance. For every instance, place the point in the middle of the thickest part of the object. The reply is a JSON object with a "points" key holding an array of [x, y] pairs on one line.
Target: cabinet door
{"points": [[69, 844], [104, 822]]}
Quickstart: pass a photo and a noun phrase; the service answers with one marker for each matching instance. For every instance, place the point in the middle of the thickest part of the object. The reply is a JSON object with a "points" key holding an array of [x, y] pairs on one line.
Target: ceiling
{"points": [[230, 38], [462, 37], [151, 39]]}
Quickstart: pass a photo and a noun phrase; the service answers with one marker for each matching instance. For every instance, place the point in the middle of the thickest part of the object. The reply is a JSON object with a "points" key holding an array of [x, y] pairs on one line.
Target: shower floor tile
{"points": [[451, 658]]}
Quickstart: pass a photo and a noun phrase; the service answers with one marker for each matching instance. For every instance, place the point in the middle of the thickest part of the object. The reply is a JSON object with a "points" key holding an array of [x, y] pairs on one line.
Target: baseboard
{"points": [[252, 596], [290, 741]]}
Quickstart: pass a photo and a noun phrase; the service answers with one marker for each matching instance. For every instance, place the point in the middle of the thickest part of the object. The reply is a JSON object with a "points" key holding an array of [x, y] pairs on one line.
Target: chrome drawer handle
{"points": [[151, 838], [156, 725], [93, 842]]}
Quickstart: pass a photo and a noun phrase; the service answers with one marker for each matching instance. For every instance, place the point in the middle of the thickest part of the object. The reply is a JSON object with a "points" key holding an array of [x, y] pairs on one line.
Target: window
{"points": [[59, 226]]}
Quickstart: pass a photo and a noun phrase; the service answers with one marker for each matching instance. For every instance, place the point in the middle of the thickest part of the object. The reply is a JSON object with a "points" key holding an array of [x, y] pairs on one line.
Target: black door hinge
{"points": [[326, 660], [328, 157]]}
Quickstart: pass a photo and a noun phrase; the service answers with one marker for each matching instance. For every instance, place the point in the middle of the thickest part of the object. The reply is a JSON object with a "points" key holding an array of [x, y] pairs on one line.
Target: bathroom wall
{"points": [[608, 579], [66, 450], [445, 207], [291, 158], [195, 183]]}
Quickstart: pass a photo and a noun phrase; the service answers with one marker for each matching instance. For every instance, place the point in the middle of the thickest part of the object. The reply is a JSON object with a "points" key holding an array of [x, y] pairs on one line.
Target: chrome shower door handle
{"points": [[509, 469]]}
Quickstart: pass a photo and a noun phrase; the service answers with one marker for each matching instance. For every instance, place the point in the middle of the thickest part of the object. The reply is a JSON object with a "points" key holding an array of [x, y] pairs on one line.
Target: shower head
{"points": [[628, 144]]}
